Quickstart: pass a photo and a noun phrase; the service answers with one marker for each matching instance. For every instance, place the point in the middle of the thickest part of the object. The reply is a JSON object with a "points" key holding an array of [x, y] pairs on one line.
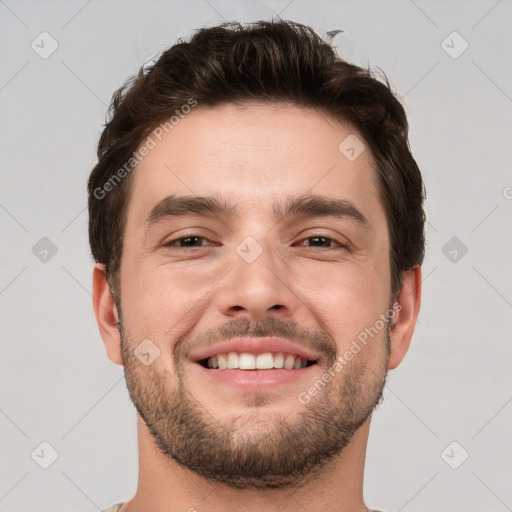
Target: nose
{"points": [[257, 289]]}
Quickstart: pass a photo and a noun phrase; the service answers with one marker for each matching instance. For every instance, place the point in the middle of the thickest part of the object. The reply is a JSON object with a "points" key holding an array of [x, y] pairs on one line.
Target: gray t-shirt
{"points": [[113, 508]]}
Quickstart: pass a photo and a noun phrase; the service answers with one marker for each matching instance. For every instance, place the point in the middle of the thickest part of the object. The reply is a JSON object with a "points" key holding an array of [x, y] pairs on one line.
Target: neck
{"points": [[165, 486]]}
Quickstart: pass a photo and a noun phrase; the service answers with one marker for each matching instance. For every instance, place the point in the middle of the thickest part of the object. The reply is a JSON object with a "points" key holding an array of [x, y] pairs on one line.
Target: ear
{"points": [[409, 299], [106, 314]]}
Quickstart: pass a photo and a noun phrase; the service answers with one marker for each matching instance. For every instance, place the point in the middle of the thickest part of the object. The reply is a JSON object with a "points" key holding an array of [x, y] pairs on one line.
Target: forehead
{"points": [[254, 155]]}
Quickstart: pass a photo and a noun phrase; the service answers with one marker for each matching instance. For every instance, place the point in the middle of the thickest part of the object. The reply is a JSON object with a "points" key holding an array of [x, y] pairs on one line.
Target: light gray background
{"points": [[57, 384]]}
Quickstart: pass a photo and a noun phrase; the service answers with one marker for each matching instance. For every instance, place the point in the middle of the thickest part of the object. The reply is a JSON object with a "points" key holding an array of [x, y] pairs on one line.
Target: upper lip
{"points": [[254, 346]]}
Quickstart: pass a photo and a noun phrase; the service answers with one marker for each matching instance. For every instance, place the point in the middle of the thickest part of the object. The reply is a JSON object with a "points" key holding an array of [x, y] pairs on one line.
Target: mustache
{"points": [[318, 340]]}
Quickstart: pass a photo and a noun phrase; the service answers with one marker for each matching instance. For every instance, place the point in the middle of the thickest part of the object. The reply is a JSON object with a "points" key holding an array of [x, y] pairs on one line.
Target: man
{"points": [[257, 221]]}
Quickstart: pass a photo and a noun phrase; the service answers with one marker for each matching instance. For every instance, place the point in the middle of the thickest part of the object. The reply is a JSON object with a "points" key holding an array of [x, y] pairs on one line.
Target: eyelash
{"points": [[342, 246]]}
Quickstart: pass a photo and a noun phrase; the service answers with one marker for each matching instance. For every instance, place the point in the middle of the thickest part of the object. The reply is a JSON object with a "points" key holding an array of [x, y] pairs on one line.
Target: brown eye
{"points": [[324, 242], [184, 242]]}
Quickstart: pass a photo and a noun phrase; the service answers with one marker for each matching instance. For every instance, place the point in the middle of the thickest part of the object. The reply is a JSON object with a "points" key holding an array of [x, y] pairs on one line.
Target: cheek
{"points": [[345, 299], [159, 299]]}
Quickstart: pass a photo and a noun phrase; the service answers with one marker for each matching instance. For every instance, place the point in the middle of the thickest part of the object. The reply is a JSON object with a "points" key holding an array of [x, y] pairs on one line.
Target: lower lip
{"points": [[247, 379]]}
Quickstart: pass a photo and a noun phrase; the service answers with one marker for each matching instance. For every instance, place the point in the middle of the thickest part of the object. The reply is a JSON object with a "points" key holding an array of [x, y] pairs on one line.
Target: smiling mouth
{"points": [[249, 361]]}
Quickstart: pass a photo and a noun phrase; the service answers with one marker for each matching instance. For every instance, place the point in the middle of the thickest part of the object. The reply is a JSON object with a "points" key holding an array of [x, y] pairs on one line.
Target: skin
{"points": [[254, 155]]}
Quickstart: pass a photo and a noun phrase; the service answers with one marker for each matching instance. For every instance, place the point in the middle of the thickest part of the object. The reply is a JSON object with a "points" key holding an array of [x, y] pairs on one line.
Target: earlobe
{"points": [[106, 314], [409, 299]]}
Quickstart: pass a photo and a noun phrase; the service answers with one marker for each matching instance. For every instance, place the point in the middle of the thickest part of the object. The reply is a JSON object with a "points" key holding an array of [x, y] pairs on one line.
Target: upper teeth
{"points": [[248, 361]]}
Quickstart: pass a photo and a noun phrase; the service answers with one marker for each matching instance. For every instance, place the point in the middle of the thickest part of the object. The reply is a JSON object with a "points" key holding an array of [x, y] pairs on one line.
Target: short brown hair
{"points": [[264, 61]]}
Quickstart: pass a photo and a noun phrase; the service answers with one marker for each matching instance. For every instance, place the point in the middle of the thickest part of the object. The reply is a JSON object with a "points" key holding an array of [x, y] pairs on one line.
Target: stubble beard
{"points": [[262, 450]]}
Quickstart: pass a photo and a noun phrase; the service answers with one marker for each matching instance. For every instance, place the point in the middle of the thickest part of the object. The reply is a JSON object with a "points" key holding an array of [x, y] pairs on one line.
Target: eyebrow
{"points": [[292, 206]]}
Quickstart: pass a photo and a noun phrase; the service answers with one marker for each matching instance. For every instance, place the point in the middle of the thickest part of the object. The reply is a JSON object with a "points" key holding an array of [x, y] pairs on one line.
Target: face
{"points": [[255, 255]]}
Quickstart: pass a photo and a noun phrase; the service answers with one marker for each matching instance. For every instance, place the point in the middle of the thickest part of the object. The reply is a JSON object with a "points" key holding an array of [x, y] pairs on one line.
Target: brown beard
{"points": [[261, 451]]}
